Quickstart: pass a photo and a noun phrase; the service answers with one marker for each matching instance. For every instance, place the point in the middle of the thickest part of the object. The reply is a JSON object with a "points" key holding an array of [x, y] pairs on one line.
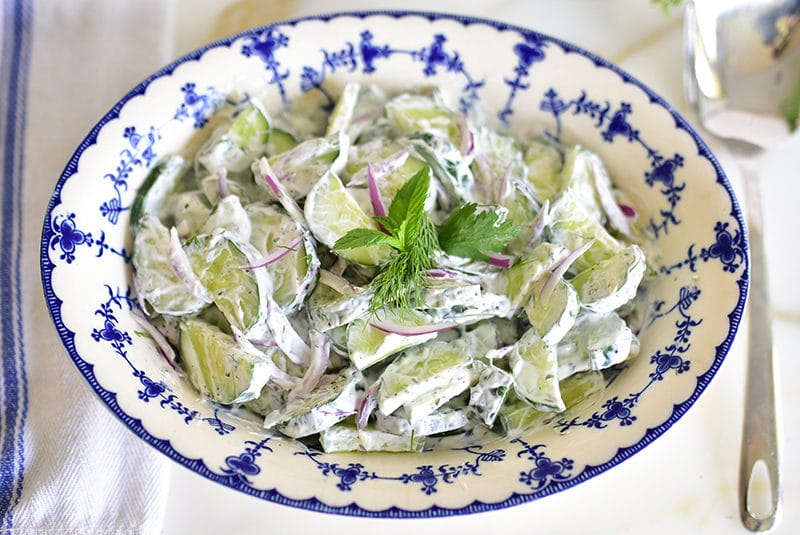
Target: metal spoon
{"points": [[742, 62]]}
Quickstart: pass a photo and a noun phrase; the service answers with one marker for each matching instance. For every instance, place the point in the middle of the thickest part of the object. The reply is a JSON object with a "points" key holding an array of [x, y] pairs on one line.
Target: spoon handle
{"points": [[762, 424]]}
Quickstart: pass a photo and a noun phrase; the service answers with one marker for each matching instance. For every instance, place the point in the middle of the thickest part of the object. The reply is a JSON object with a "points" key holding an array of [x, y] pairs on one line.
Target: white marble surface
{"points": [[685, 482]]}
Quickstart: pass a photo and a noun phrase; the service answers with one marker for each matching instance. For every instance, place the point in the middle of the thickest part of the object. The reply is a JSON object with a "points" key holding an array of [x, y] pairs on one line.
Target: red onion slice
{"points": [[383, 168], [561, 267], [222, 183], [602, 185], [367, 405], [375, 195], [183, 268], [467, 136], [502, 190], [460, 276], [500, 260], [540, 222], [318, 363], [289, 204], [281, 251], [164, 347]]}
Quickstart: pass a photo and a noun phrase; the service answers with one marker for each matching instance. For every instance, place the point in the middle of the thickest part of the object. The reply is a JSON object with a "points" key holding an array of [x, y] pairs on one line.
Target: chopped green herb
{"points": [[471, 233]]}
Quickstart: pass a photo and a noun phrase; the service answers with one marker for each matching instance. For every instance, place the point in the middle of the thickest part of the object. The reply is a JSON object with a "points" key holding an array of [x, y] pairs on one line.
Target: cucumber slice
{"points": [[189, 210], [331, 211], [217, 366], [545, 163], [421, 407], [596, 342], [280, 141], [217, 260], [294, 275], [229, 215], [161, 182], [572, 226], [517, 417], [154, 275], [535, 370], [413, 113], [237, 144], [299, 168], [367, 345], [517, 282], [552, 313], [522, 210], [333, 399], [489, 392], [346, 437], [611, 283], [419, 370], [342, 114]]}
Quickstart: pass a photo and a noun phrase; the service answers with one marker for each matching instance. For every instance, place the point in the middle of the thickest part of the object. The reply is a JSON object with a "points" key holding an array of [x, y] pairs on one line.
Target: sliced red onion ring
{"points": [[164, 347], [486, 173], [222, 183], [279, 253], [263, 168], [302, 152], [460, 276], [183, 268], [540, 222], [367, 405], [320, 356], [385, 167], [602, 185], [375, 195], [359, 124], [500, 260], [561, 267], [629, 211]]}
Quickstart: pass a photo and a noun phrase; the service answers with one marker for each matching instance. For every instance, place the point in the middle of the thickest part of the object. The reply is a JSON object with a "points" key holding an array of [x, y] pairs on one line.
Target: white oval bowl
{"points": [[518, 79]]}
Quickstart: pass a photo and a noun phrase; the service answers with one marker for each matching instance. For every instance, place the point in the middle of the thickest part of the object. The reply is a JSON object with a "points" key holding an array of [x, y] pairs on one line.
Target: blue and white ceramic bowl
{"points": [[518, 79]]}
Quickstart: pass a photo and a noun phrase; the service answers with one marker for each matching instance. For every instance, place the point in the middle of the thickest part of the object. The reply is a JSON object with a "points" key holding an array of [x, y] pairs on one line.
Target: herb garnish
{"points": [[468, 233], [411, 232]]}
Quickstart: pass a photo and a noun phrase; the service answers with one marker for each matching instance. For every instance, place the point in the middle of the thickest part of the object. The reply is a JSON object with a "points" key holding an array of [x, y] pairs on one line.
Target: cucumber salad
{"points": [[386, 274]]}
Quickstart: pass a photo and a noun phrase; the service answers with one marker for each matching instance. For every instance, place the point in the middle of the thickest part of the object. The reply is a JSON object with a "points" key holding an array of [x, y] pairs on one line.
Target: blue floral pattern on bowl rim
{"points": [[691, 322]]}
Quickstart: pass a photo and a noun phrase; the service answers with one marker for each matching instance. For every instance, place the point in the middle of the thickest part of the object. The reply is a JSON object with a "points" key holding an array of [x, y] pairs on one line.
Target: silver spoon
{"points": [[742, 62]]}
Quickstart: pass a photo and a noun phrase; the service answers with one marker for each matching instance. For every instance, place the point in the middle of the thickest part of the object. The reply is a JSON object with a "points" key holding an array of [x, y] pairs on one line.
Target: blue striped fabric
{"points": [[14, 60]]}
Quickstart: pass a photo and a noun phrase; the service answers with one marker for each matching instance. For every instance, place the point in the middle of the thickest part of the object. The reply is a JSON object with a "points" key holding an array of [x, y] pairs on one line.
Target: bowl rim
{"points": [[198, 466]]}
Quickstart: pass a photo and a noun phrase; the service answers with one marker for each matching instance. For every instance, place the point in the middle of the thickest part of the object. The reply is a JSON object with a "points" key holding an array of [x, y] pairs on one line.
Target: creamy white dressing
{"points": [[486, 351]]}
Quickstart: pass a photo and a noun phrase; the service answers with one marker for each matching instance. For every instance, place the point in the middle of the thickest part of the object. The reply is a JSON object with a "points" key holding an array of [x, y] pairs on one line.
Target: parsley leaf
{"points": [[470, 233]]}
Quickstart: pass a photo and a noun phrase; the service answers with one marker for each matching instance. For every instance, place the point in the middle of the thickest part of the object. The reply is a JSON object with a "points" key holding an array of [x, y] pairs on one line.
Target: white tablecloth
{"points": [[68, 466]]}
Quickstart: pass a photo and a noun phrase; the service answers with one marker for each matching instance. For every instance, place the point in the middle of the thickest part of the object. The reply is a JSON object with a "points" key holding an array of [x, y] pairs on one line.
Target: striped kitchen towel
{"points": [[68, 465]]}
